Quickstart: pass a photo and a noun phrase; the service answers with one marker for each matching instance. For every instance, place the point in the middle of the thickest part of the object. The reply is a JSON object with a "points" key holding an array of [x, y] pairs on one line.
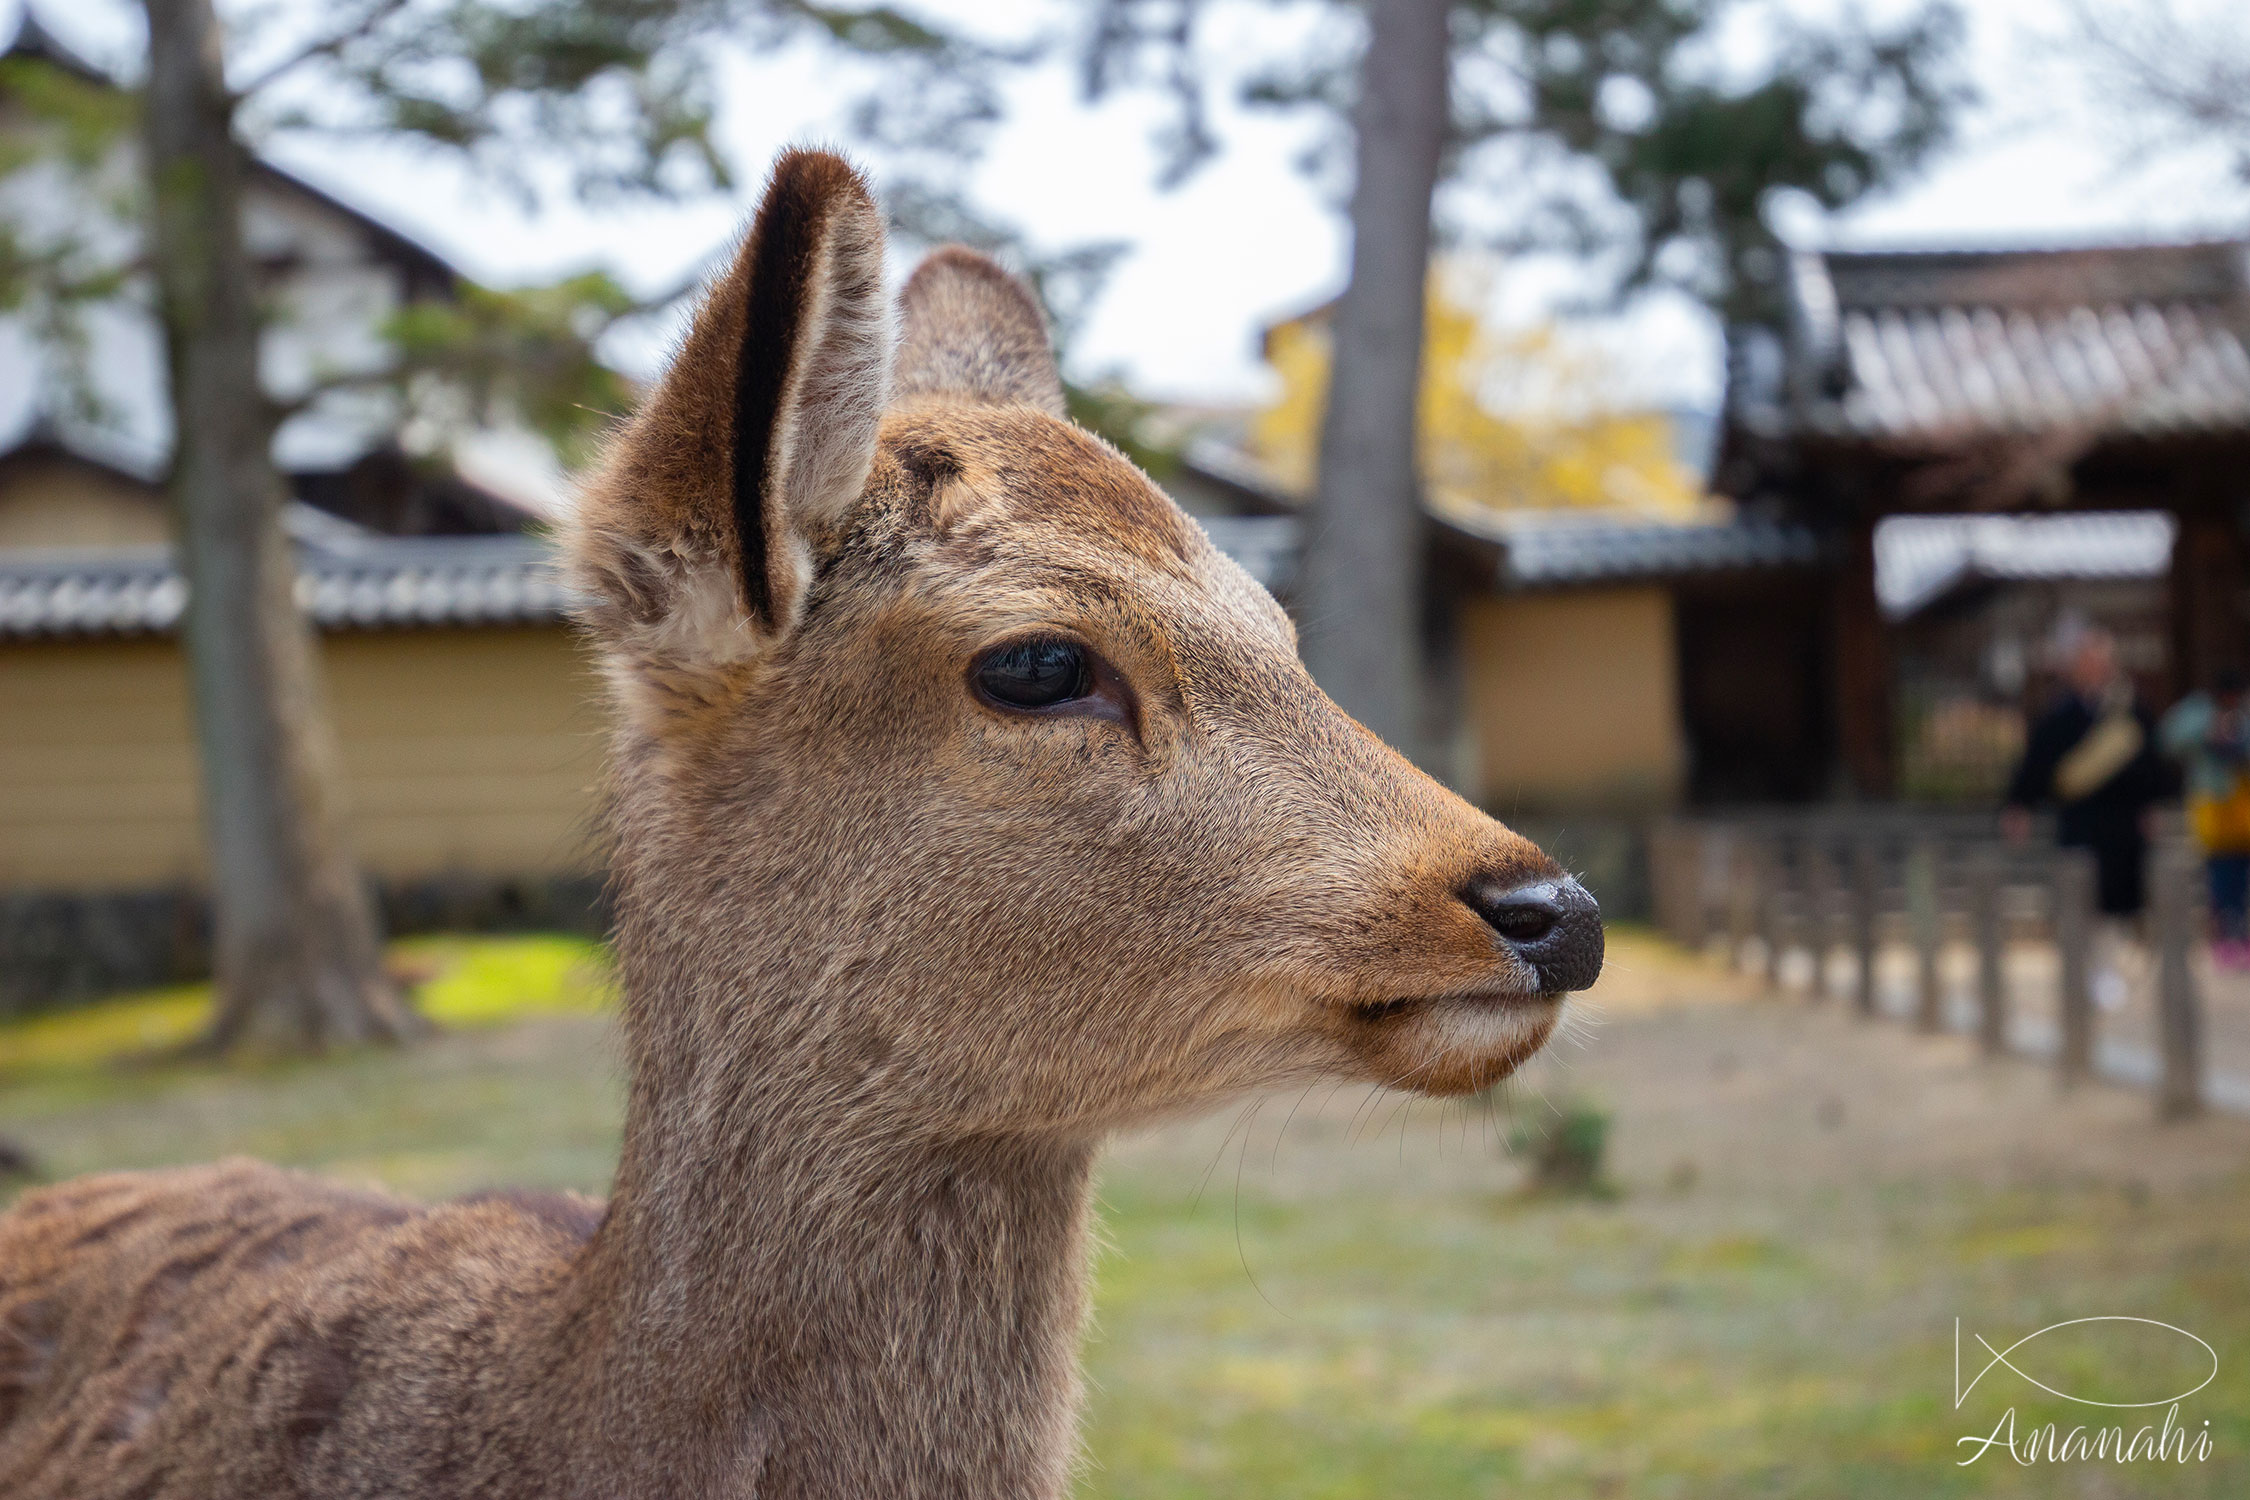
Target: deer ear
{"points": [[971, 332], [697, 539]]}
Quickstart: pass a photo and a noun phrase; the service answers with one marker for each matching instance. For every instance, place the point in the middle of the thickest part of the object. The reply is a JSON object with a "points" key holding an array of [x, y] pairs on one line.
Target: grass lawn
{"points": [[1352, 1295]]}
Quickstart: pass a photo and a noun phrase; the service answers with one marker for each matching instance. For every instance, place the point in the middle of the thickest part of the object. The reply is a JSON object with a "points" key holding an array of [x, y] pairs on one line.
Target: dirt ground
{"points": [[1717, 1071]]}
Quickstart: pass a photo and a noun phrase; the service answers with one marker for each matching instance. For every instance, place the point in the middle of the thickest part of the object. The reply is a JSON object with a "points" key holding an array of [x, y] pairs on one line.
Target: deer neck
{"points": [[793, 1295]]}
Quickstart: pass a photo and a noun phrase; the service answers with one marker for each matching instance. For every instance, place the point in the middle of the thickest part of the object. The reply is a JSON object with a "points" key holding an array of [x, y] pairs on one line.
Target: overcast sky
{"points": [[1249, 237]]}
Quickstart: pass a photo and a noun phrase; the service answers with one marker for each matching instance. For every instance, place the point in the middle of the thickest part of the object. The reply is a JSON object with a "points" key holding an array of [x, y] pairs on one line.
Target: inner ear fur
{"points": [[757, 441], [969, 331]]}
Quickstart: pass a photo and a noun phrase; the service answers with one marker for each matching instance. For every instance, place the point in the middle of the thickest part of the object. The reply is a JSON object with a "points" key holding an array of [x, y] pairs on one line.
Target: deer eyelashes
{"points": [[1046, 675]]}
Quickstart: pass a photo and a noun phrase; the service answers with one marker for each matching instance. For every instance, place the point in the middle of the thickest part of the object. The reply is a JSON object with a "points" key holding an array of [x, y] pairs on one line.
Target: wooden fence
{"points": [[1767, 887]]}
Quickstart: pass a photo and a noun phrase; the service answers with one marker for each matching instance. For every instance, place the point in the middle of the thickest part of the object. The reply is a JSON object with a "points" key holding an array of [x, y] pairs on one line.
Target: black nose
{"points": [[1553, 925]]}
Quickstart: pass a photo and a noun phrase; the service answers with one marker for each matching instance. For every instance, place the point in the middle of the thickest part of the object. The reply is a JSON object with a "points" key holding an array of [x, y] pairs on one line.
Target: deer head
{"points": [[958, 770]]}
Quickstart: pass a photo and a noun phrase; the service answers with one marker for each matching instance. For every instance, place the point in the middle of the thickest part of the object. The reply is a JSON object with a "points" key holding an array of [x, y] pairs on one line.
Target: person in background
{"points": [[2209, 732], [2092, 756]]}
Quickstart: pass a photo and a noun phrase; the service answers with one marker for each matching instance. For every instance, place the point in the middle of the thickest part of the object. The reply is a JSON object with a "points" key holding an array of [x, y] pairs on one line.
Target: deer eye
{"points": [[1037, 673]]}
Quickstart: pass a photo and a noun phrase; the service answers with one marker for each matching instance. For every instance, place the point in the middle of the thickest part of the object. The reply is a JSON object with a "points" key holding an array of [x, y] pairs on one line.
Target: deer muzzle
{"points": [[1554, 926]]}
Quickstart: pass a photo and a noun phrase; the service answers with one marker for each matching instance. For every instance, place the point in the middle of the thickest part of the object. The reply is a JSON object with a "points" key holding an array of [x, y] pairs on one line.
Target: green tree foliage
{"points": [[617, 94], [51, 269], [487, 356], [588, 98], [1632, 131]]}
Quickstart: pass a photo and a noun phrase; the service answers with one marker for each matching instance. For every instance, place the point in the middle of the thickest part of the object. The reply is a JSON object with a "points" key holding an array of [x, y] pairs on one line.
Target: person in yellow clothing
{"points": [[2209, 733]]}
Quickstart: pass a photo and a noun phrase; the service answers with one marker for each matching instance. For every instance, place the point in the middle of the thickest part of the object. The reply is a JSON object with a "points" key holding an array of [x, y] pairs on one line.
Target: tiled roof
{"points": [[392, 583], [371, 584], [1556, 549], [1918, 559], [1550, 557], [1537, 548], [1940, 346], [1546, 550]]}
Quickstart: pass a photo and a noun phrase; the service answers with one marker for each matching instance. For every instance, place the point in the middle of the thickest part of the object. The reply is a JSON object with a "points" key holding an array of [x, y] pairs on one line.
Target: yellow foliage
{"points": [[1287, 434], [1559, 447]]}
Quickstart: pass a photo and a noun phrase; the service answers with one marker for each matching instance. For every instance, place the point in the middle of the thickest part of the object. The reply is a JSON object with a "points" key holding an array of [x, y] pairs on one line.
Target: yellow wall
{"points": [[1572, 699], [472, 751], [53, 501]]}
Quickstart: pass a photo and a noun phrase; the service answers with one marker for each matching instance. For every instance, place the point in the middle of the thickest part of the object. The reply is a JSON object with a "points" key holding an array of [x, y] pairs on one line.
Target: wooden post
{"points": [[1695, 895], [1774, 912], [1659, 846], [1867, 899], [2179, 1013], [1820, 893], [2074, 942], [1925, 904], [1987, 872], [1745, 890], [1672, 858]]}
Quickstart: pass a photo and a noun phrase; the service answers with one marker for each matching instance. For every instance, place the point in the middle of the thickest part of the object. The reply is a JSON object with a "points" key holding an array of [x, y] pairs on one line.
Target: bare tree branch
{"points": [[2171, 78], [328, 46]]}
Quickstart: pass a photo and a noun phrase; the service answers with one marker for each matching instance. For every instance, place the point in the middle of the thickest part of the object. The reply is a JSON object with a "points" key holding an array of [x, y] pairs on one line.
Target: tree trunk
{"points": [[1365, 545], [297, 959]]}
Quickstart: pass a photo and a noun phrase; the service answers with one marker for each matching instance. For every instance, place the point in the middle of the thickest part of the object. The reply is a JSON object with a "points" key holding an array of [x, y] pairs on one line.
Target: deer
{"points": [[967, 807]]}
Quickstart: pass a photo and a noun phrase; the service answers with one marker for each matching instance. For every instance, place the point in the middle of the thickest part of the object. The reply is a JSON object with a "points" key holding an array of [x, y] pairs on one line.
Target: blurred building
{"points": [[1974, 606], [2035, 436], [85, 421], [2107, 385], [464, 712], [1607, 640], [1932, 460], [1590, 660], [1593, 667]]}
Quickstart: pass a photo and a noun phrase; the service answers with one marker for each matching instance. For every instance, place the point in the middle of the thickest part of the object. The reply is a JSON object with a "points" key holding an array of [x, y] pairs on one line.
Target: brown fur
{"points": [[973, 333], [895, 962]]}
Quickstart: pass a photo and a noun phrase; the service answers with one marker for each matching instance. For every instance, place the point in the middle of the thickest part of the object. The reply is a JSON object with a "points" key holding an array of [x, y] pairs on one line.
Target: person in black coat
{"points": [[2093, 757]]}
